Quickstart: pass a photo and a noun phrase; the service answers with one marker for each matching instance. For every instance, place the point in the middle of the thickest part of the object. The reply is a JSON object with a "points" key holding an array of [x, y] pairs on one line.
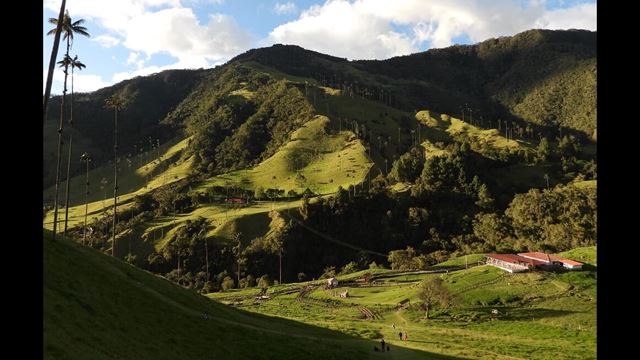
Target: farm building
{"points": [[553, 260], [512, 263], [531, 260]]}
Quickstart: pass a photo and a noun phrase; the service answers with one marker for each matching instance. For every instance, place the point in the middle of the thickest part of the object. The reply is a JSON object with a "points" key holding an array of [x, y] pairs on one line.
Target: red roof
{"points": [[515, 259], [549, 258]]}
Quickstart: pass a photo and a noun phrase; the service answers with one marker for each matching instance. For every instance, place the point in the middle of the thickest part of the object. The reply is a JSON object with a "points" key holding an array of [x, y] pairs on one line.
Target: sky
{"points": [[132, 38]]}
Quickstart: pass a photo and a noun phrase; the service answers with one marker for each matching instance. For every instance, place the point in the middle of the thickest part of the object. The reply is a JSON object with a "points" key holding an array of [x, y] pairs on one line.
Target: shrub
{"points": [[228, 283], [264, 281]]}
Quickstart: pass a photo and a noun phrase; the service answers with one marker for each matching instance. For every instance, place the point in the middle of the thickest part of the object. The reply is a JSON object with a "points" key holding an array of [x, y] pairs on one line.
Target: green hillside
{"points": [[100, 308], [542, 315]]}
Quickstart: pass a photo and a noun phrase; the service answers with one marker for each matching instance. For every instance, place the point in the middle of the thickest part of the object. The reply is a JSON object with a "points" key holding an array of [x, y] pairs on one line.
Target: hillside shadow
{"points": [[335, 339]]}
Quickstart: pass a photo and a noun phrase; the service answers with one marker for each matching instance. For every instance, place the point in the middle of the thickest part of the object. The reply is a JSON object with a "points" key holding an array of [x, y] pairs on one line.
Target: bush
{"points": [[208, 287], [251, 281], [328, 273], [228, 283], [264, 281], [301, 276], [349, 268]]}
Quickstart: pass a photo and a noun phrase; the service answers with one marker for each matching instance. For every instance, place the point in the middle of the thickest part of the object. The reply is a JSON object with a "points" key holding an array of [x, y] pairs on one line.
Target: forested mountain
{"points": [[289, 161], [542, 77]]}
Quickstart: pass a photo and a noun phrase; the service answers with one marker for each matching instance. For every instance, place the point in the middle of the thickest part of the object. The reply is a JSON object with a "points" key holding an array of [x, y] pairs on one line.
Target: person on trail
{"points": [[205, 315], [382, 344], [400, 335], [406, 336]]}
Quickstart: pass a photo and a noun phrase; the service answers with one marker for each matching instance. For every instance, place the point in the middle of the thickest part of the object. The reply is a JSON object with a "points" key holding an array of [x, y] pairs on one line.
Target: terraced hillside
{"points": [[538, 315]]}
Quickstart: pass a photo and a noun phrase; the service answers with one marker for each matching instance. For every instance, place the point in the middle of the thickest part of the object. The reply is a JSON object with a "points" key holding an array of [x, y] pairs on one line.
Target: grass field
{"points": [[97, 307], [146, 173], [311, 159], [542, 315]]}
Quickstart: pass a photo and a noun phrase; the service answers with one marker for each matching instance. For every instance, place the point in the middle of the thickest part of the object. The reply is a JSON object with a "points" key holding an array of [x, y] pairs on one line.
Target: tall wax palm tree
{"points": [[68, 27], [65, 64], [74, 63], [52, 59], [116, 103], [86, 159]]}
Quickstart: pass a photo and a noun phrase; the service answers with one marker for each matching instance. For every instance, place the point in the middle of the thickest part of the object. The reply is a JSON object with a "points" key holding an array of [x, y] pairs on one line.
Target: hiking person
{"points": [[406, 336], [400, 335], [382, 344], [205, 316]]}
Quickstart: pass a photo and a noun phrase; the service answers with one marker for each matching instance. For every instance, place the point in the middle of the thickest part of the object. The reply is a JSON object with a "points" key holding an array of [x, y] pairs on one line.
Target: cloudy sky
{"points": [[140, 37]]}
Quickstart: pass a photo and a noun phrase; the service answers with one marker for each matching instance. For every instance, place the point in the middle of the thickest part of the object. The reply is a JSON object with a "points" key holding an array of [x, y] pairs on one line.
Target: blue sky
{"points": [[140, 37]]}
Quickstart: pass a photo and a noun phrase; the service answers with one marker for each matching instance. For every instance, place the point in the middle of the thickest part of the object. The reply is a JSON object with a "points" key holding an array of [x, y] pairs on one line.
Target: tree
{"points": [[278, 231], [264, 282], [65, 63], [259, 193], [68, 27], [544, 150], [227, 283], [74, 63], [402, 259], [237, 252], [409, 166], [52, 59], [116, 103], [86, 159], [433, 292]]}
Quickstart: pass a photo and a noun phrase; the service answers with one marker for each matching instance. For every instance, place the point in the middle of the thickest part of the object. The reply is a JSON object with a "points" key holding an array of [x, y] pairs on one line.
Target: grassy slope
{"points": [[145, 174], [100, 308], [543, 315], [340, 161]]}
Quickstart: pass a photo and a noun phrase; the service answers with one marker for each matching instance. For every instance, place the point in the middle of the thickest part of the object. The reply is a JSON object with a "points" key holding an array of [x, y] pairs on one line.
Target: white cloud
{"points": [[342, 28], [578, 17], [177, 32], [286, 8], [368, 29], [133, 57], [154, 26], [81, 82], [150, 27], [106, 40], [114, 14]]}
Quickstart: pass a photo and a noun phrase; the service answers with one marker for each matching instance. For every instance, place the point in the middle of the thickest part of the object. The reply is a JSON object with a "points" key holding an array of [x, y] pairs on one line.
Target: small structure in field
{"points": [[403, 303], [332, 283]]}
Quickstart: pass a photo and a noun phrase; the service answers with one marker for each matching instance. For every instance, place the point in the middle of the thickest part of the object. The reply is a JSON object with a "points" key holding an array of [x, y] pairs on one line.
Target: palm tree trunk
{"points": [[52, 64], [66, 201], [86, 204], [280, 266], [66, 206], [115, 183], [60, 129], [206, 254]]}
